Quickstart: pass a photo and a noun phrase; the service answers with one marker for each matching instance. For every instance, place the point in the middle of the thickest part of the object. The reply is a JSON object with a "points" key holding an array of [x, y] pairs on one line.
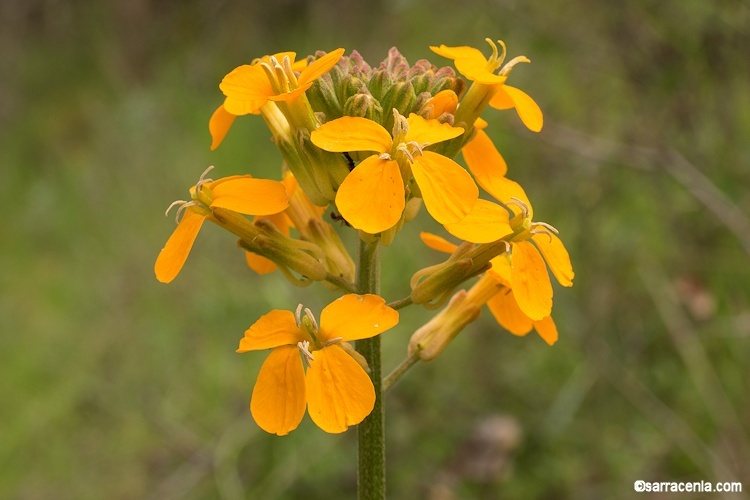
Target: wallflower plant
{"points": [[363, 148]]}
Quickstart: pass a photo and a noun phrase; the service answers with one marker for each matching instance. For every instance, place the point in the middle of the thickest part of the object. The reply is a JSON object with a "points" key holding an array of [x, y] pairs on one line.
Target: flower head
{"points": [[472, 64], [271, 78], [529, 243], [335, 389], [494, 290], [372, 197], [239, 193]]}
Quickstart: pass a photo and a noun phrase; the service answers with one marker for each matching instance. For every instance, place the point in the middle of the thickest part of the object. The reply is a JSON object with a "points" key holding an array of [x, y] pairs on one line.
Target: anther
{"points": [[521, 204], [202, 179], [384, 156], [182, 209], [506, 69], [333, 341], [548, 226], [541, 231], [178, 202], [304, 349], [298, 316]]}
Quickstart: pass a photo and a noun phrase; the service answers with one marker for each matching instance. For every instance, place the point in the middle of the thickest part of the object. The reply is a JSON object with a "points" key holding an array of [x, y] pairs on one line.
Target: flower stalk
{"points": [[371, 432]]}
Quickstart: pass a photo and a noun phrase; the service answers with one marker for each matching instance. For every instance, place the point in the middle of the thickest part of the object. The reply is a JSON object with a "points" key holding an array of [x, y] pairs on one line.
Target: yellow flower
{"points": [[372, 197], [495, 288], [528, 273], [239, 193], [335, 388], [472, 64], [272, 78]]}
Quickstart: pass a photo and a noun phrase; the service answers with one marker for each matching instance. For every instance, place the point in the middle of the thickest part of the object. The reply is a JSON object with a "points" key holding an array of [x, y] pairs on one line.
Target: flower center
{"points": [[280, 74]]}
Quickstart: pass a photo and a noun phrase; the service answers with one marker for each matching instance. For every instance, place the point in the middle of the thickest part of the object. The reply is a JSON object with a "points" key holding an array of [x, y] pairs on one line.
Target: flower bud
{"points": [[365, 106], [400, 97], [432, 338]]}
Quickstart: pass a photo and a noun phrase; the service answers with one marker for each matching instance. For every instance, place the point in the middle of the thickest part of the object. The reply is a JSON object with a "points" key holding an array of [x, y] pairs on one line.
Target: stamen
{"points": [[403, 148], [400, 126], [521, 204], [384, 156], [178, 202], [298, 316], [507, 246], [548, 226], [182, 208], [268, 69], [541, 231], [418, 146], [333, 341], [304, 349], [202, 179], [520, 59], [289, 72]]}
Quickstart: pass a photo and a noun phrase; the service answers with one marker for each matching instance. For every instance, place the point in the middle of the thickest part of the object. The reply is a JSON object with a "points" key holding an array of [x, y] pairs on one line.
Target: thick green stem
{"points": [[371, 432]]}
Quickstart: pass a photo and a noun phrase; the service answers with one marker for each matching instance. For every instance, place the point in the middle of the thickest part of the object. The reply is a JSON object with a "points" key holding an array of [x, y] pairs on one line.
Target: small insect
{"points": [[338, 218]]}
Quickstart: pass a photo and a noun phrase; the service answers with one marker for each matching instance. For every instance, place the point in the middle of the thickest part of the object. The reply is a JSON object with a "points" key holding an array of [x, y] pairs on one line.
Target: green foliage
{"points": [[118, 386]]}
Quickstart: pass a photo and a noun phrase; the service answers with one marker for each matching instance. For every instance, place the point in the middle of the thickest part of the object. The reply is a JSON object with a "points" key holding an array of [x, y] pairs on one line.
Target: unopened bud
{"points": [[432, 338], [400, 97], [365, 106]]}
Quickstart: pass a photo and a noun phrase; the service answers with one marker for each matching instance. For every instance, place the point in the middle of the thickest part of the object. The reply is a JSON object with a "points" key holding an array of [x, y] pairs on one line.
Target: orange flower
{"points": [[272, 78], [528, 272], [500, 298], [372, 196], [472, 64], [335, 388], [239, 193]]}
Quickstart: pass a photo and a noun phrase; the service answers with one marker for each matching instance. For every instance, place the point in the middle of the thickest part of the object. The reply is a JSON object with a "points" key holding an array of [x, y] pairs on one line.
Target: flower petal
{"points": [[354, 317], [444, 101], [428, 132], [547, 329], [250, 196], [530, 281], [352, 133], [278, 401], [274, 329], [320, 66], [557, 257], [462, 52], [487, 222], [504, 190], [504, 308], [371, 198], [437, 243], [448, 191], [483, 158], [175, 252], [219, 124], [478, 71], [528, 110], [259, 264], [246, 83], [500, 270], [339, 391]]}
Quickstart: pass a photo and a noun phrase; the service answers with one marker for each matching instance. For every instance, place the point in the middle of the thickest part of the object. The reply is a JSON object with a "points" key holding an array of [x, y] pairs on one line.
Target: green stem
{"points": [[400, 303], [371, 432], [397, 372], [341, 283]]}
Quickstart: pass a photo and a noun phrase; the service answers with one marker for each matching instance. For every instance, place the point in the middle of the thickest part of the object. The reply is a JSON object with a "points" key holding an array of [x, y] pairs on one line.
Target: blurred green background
{"points": [[116, 386]]}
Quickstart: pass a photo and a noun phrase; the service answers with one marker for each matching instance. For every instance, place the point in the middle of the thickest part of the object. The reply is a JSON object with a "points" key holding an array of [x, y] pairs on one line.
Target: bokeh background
{"points": [[116, 386]]}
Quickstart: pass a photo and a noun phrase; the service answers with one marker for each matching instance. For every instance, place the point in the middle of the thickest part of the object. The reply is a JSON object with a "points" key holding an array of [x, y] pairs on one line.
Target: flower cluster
{"points": [[369, 145]]}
